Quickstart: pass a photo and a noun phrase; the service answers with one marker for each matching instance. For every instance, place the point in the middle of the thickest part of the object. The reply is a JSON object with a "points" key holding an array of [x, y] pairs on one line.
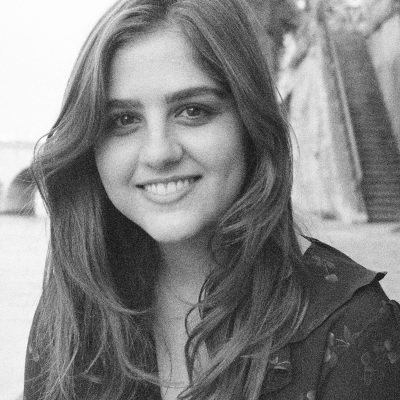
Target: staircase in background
{"points": [[377, 149]]}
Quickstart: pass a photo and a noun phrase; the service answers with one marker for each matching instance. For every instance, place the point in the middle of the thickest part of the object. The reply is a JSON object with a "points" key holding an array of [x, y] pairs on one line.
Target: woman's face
{"points": [[172, 159]]}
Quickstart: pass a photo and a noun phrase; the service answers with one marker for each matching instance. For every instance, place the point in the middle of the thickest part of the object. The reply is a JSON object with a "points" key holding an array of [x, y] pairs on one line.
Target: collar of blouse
{"points": [[332, 280]]}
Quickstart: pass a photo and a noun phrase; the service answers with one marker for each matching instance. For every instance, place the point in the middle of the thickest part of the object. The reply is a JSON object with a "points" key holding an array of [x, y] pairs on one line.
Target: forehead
{"points": [[160, 61]]}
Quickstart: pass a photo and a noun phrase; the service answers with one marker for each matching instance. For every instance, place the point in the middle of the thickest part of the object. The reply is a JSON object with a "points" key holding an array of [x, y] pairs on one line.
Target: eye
{"points": [[122, 120], [121, 123], [195, 114]]}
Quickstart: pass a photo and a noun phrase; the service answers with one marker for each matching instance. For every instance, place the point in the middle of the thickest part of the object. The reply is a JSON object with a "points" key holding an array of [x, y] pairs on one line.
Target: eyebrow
{"points": [[173, 97]]}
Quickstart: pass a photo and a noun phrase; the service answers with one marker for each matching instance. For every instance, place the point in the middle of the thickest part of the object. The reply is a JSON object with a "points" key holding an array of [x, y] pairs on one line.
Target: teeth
{"points": [[171, 187], [163, 189]]}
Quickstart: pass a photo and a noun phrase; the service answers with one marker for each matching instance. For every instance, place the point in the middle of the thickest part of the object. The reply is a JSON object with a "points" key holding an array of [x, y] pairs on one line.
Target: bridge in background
{"points": [[18, 194]]}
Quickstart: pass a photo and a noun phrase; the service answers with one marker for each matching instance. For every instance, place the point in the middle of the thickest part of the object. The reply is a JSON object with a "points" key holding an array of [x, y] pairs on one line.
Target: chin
{"points": [[171, 235], [175, 233]]}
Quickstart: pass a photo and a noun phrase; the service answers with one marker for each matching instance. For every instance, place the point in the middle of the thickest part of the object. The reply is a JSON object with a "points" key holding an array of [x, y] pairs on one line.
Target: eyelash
{"points": [[206, 113], [114, 120]]}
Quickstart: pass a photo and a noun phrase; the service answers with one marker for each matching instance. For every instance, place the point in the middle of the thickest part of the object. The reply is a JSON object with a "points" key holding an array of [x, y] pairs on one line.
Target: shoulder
{"points": [[352, 328], [348, 344], [337, 285]]}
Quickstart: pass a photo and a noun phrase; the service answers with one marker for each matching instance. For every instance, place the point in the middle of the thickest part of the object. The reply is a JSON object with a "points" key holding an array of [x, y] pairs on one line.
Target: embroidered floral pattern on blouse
{"points": [[336, 346], [328, 266], [279, 371], [280, 365], [311, 395], [374, 360]]}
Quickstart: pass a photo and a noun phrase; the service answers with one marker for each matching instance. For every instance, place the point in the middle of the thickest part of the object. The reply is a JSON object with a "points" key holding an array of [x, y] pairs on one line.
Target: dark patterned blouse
{"points": [[347, 348]]}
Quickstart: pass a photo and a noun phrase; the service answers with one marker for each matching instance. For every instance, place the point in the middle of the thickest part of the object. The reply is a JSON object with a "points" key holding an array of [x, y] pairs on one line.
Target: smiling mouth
{"points": [[169, 187]]}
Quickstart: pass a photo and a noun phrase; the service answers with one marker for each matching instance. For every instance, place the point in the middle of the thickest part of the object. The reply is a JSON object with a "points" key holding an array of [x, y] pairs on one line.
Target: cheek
{"points": [[104, 160], [228, 153], [114, 162]]}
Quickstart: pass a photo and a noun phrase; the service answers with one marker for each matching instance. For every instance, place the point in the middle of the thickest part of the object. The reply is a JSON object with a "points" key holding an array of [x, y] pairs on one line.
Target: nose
{"points": [[160, 148]]}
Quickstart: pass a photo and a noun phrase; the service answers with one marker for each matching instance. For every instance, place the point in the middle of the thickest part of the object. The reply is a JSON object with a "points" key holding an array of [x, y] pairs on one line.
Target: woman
{"points": [[174, 268]]}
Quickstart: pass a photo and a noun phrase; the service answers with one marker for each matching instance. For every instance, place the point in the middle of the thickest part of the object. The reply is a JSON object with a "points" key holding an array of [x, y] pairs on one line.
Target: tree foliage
{"points": [[276, 17]]}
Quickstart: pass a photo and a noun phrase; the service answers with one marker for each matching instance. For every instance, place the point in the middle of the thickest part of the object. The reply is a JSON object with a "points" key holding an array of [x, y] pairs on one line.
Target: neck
{"points": [[185, 267]]}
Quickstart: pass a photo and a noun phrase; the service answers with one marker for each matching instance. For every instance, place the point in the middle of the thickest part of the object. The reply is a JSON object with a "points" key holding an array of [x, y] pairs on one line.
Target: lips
{"points": [[168, 187]]}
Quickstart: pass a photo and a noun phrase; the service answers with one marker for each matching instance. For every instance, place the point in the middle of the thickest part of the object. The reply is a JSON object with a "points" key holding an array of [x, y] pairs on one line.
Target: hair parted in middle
{"points": [[101, 267]]}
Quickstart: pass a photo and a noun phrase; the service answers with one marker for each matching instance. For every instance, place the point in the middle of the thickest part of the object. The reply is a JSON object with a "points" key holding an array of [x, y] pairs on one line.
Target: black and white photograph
{"points": [[200, 200]]}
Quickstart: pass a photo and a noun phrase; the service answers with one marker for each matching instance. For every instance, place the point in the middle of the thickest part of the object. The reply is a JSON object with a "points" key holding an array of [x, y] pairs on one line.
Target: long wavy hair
{"points": [[93, 328]]}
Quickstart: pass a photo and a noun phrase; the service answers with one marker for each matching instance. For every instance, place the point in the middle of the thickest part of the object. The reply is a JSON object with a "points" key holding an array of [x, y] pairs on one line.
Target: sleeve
{"points": [[34, 380], [365, 364]]}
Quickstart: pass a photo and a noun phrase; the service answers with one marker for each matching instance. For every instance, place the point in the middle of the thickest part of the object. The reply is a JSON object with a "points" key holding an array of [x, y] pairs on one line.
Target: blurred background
{"points": [[336, 64]]}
